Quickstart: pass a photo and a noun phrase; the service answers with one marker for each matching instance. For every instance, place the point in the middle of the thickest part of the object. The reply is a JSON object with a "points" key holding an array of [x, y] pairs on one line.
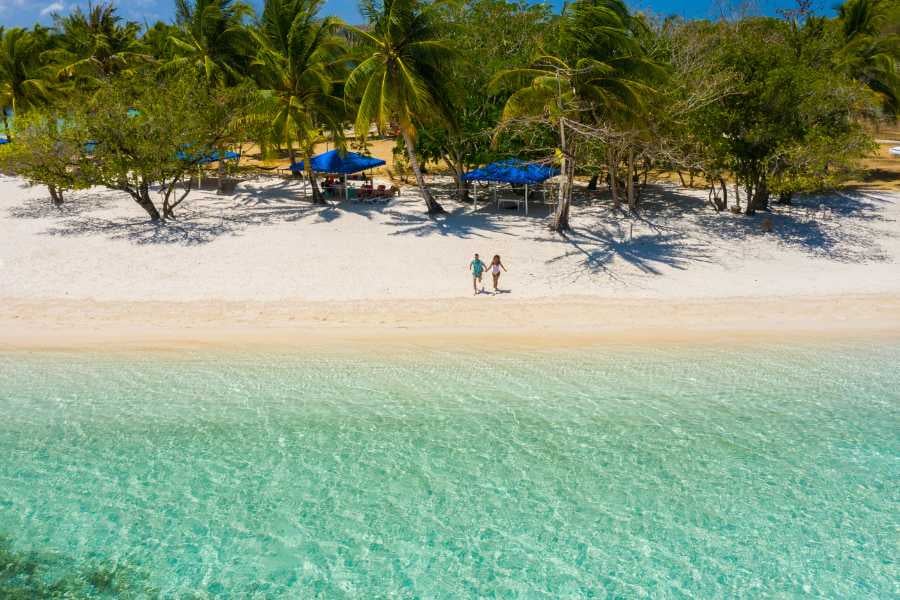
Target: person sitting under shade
{"points": [[366, 190]]}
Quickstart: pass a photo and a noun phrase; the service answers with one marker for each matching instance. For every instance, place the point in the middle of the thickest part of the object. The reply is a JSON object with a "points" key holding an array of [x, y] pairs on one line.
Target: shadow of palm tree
{"points": [[648, 252], [839, 226], [457, 223]]}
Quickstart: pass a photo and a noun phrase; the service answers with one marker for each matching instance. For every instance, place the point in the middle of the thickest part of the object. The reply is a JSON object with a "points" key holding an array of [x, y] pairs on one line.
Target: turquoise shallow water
{"points": [[628, 473]]}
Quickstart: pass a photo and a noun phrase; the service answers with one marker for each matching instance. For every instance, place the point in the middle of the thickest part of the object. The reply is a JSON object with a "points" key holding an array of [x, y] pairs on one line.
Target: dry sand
{"points": [[264, 267]]}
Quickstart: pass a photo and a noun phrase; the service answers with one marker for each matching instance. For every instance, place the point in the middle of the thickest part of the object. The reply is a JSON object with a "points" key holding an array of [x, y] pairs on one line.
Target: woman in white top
{"points": [[496, 265]]}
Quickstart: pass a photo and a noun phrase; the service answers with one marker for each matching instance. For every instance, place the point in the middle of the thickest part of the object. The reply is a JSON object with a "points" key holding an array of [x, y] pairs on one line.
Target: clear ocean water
{"points": [[755, 472]]}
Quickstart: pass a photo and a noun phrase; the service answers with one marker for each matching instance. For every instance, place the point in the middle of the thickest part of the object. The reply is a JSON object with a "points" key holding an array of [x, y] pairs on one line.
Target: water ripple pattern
{"points": [[757, 472]]}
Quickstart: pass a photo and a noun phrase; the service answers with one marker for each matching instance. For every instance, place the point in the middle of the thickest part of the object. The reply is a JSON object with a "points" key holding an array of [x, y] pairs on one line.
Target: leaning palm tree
{"points": [[95, 45], [599, 78], [22, 85], [401, 76], [556, 94], [299, 62]]}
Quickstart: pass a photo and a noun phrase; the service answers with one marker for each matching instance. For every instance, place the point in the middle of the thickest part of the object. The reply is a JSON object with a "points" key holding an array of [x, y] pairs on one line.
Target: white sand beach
{"points": [[266, 265]]}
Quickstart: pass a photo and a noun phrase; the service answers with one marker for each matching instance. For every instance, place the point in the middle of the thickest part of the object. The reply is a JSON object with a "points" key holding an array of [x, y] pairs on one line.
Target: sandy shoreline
{"points": [[543, 323], [264, 268]]}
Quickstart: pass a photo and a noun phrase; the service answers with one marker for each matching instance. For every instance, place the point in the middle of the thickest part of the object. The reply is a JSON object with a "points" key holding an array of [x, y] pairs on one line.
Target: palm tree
{"points": [[21, 84], [95, 45], [299, 59], [551, 90], [401, 76], [599, 78], [156, 40], [212, 39], [869, 54]]}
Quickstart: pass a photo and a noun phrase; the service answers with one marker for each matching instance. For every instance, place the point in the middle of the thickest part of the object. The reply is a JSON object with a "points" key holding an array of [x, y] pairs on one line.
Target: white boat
{"points": [[895, 151]]}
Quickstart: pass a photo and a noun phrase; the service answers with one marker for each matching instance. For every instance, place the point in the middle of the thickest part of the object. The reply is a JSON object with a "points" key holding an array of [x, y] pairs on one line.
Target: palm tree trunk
{"points": [[613, 180], [311, 178], [560, 220], [306, 148], [430, 202], [629, 183], [221, 152], [455, 162], [6, 126]]}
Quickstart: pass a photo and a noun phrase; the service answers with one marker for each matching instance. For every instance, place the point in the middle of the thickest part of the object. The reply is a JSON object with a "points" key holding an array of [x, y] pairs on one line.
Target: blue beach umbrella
{"points": [[205, 159], [334, 162], [513, 171]]}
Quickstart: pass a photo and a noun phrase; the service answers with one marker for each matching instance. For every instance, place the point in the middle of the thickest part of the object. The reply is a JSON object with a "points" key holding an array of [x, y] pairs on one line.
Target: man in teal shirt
{"points": [[477, 267]]}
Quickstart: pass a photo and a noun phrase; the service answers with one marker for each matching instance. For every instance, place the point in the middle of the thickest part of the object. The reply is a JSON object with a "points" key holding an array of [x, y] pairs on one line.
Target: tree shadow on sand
{"points": [[648, 253], [840, 226], [203, 218], [195, 226], [76, 203], [140, 231], [458, 222], [461, 222]]}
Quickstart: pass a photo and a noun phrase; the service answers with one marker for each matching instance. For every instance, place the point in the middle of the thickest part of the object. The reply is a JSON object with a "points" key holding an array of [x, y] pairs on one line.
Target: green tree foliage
{"points": [[23, 85], [157, 41], [172, 125], [490, 36], [95, 45], [870, 48], [212, 39], [213, 42], [402, 73], [774, 105], [597, 77], [45, 152], [790, 124], [299, 64]]}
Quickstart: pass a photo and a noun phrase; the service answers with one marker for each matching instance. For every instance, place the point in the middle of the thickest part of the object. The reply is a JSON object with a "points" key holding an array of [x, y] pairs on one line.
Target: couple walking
{"points": [[478, 268]]}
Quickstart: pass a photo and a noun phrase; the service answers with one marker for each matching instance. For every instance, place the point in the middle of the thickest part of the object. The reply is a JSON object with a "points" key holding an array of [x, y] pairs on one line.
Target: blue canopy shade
{"points": [[333, 162], [3, 140], [514, 171], [208, 158]]}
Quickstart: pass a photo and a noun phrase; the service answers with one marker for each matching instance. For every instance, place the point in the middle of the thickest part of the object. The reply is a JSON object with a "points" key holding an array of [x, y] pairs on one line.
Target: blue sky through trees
{"points": [[27, 12]]}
